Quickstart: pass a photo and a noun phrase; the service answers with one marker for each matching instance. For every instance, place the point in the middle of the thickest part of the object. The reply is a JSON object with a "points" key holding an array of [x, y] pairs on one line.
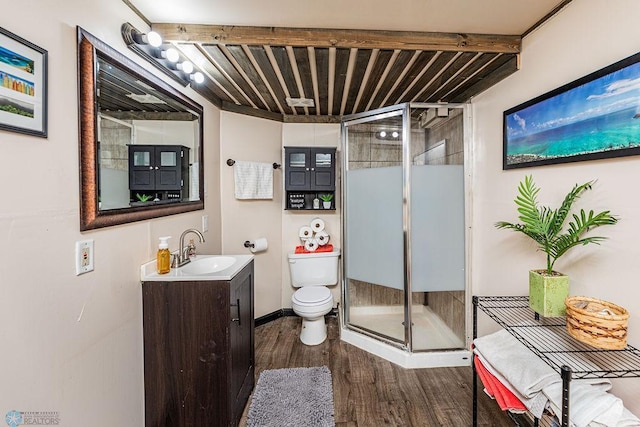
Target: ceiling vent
{"points": [[300, 102]]}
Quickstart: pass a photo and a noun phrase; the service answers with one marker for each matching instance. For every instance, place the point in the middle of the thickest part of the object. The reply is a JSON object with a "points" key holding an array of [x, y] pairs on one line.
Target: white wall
{"points": [[257, 140], [260, 140], [73, 344], [586, 36], [309, 135]]}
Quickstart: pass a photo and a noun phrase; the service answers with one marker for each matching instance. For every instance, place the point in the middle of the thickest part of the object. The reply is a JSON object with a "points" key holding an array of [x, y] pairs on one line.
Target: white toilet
{"points": [[312, 273]]}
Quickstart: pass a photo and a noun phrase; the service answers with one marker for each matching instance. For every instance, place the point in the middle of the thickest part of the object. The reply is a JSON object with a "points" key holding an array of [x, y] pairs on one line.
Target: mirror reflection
{"points": [[147, 143], [140, 141]]}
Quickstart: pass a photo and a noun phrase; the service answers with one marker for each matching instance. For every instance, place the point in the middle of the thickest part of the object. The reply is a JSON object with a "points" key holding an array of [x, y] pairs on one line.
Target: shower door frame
{"points": [[381, 113]]}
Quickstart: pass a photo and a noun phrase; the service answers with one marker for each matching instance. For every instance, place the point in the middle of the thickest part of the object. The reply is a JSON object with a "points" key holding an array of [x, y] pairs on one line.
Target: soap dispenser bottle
{"points": [[164, 256]]}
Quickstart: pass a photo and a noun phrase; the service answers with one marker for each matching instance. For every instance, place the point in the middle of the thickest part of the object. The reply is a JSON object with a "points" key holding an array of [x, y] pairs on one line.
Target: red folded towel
{"points": [[325, 248], [505, 397]]}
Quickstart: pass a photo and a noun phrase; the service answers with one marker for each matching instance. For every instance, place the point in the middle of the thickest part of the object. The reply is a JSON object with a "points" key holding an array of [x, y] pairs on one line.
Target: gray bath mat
{"points": [[295, 397]]}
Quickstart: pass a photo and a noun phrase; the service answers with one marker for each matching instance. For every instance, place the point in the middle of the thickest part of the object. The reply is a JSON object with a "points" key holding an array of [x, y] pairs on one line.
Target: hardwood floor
{"points": [[370, 391]]}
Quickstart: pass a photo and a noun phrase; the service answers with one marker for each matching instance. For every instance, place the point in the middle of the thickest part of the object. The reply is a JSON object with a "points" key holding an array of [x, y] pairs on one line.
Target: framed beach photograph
{"points": [[23, 86], [594, 117]]}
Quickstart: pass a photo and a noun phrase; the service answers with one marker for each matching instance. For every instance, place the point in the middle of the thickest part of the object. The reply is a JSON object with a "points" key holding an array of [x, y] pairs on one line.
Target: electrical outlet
{"points": [[205, 223], [84, 257]]}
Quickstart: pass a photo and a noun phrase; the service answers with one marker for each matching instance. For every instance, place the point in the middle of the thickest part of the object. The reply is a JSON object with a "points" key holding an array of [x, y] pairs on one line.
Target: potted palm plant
{"points": [[546, 226]]}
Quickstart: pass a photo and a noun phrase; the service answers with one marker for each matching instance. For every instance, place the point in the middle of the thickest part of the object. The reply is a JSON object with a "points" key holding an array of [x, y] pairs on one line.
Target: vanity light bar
{"points": [[166, 59]]}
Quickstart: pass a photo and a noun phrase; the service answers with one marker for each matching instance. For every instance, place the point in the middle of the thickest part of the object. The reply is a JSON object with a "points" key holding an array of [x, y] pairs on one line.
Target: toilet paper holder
{"points": [[256, 245]]}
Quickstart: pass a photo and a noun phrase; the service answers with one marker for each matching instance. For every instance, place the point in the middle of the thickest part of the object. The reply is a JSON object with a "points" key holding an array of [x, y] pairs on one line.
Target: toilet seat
{"points": [[310, 296]]}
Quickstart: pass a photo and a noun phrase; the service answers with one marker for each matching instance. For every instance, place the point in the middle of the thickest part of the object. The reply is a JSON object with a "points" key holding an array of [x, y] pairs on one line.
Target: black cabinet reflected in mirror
{"points": [[140, 141]]}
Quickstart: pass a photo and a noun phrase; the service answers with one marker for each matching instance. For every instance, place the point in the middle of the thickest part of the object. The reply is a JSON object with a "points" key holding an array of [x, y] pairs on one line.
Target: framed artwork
{"points": [[23, 86], [594, 117]]}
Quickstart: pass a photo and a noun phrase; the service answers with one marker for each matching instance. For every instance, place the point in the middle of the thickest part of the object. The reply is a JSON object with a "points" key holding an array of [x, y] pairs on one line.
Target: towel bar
{"points": [[231, 162]]}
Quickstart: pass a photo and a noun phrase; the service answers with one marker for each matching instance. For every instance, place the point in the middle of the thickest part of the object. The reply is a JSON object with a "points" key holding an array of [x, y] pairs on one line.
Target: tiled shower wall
{"points": [[114, 138]]}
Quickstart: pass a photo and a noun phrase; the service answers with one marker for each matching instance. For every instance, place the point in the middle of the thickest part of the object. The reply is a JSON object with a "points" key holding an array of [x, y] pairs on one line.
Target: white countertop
{"points": [[148, 271]]}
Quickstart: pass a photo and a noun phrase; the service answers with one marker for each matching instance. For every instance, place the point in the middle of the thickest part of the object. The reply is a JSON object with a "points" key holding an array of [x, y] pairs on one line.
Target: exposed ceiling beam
{"points": [[362, 39]]}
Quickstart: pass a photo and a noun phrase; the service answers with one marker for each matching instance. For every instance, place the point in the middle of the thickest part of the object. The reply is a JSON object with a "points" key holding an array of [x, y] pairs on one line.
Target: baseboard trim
{"points": [[284, 312], [270, 317]]}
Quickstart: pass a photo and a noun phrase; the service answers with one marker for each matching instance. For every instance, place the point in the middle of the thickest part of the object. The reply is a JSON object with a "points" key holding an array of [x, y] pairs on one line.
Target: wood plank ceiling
{"points": [[254, 70]]}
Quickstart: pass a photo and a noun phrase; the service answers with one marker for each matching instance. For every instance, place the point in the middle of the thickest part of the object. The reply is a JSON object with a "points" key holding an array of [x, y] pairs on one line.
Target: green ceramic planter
{"points": [[547, 294]]}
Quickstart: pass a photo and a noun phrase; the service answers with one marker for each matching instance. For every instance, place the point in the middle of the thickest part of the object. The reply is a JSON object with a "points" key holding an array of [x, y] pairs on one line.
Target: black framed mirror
{"points": [[140, 144]]}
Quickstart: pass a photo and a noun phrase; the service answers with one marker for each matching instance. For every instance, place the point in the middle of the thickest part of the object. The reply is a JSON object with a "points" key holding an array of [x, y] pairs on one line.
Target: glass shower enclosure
{"points": [[404, 226]]}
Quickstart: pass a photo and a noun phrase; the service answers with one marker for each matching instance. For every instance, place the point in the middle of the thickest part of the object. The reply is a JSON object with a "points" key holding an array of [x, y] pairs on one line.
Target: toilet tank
{"points": [[314, 269]]}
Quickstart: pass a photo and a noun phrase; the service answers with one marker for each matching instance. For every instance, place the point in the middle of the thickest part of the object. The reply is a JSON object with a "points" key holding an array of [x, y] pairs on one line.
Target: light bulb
{"points": [[394, 134], [171, 54], [197, 77], [186, 66], [383, 134], [153, 39]]}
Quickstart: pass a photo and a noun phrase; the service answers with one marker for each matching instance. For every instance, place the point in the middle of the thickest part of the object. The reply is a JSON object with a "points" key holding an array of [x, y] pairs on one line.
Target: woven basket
{"points": [[598, 323]]}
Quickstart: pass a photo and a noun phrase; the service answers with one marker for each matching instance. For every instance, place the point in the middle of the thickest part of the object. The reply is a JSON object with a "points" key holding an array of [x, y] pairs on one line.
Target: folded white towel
{"points": [[587, 403], [529, 403], [627, 419], [535, 404], [535, 383], [525, 372], [253, 180]]}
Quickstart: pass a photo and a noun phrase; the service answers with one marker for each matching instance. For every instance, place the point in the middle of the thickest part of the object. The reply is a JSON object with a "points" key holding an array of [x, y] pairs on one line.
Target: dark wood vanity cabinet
{"points": [[198, 350]]}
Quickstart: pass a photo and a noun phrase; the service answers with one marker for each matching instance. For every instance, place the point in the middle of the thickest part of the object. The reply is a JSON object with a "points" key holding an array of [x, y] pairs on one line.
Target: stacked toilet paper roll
{"points": [[317, 225], [314, 235], [321, 237], [311, 245], [305, 233]]}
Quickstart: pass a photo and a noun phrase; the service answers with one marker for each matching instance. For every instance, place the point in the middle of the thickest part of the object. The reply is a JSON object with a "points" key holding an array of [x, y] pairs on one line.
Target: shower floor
{"points": [[429, 330]]}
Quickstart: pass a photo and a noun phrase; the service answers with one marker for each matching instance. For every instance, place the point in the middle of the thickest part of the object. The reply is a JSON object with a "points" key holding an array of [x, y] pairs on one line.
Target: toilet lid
{"points": [[312, 295]]}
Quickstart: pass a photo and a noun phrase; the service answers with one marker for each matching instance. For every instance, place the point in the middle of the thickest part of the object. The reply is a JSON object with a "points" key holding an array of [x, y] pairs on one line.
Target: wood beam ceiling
{"points": [[318, 38], [254, 70]]}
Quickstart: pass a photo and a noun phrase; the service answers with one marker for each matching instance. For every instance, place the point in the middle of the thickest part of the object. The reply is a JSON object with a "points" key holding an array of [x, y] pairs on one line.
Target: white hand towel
{"points": [[194, 182], [253, 180]]}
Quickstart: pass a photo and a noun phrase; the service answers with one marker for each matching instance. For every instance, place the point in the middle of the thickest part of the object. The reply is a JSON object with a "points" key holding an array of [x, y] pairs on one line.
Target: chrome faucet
{"points": [[183, 253]]}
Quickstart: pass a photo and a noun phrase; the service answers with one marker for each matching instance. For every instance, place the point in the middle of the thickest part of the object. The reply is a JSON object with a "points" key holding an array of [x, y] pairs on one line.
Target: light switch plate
{"points": [[205, 223], [84, 256]]}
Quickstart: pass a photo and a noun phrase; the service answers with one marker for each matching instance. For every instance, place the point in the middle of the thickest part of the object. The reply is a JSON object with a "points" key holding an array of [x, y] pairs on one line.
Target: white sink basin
{"points": [[202, 267], [208, 265]]}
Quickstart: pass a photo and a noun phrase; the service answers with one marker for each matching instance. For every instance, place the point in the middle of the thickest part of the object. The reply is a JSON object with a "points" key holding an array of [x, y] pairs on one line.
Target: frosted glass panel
{"points": [[168, 158], [374, 226], [437, 228], [141, 158], [323, 160], [297, 160]]}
